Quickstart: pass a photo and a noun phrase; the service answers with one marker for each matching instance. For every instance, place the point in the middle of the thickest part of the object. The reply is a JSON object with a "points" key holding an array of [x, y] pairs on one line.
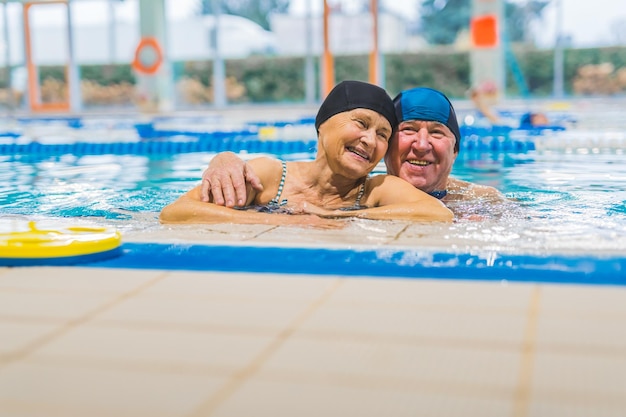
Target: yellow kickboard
{"points": [[72, 241]]}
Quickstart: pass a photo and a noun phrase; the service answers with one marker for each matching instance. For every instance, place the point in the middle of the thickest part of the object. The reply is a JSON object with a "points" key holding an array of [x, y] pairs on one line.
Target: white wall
{"points": [[188, 39], [189, 36], [349, 34]]}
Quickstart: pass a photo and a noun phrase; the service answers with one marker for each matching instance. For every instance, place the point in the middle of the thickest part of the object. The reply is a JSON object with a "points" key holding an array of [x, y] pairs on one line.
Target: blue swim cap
{"points": [[424, 103]]}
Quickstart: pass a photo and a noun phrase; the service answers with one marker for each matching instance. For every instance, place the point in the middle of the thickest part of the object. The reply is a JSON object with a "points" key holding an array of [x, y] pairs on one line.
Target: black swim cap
{"points": [[350, 95]]}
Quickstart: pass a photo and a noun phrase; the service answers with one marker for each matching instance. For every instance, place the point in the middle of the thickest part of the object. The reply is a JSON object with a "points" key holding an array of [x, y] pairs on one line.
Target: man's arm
{"points": [[465, 190], [225, 180]]}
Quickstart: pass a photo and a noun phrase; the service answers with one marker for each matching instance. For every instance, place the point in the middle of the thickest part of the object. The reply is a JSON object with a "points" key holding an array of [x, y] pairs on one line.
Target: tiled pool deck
{"points": [[85, 341]]}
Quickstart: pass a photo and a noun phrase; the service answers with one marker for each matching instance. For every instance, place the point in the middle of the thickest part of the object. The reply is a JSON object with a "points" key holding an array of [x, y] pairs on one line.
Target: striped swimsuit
{"points": [[276, 205]]}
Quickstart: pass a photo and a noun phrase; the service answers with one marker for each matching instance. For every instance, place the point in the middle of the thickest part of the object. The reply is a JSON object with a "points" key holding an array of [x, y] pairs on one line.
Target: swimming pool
{"points": [[567, 221]]}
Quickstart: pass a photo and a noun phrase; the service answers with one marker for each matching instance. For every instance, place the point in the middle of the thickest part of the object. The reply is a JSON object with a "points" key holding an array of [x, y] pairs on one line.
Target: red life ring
{"points": [[148, 46]]}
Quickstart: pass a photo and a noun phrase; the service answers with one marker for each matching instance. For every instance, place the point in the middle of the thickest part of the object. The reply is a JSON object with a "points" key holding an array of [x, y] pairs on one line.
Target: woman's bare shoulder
{"points": [[386, 180], [269, 172], [388, 189], [265, 166]]}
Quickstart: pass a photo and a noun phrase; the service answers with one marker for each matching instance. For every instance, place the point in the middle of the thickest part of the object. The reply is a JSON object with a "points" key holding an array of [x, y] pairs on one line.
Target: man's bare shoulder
{"points": [[461, 190]]}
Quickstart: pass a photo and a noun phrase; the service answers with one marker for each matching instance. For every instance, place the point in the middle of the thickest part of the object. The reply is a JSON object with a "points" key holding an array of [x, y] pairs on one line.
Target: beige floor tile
{"points": [[576, 301], [359, 233], [443, 327], [60, 306], [393, 364], [288, 399], [467, 237], [224, 315], [316, 238], [582, 335], [239, 286], [582, 376], [425, 294], [138, 347], [79, 279], [15, 335], [25, 386], [210, 234], [552, 409], [368, 346]]}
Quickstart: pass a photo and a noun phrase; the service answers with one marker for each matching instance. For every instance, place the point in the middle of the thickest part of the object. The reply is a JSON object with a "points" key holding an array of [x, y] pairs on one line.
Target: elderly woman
{"points": [[354, 125]]}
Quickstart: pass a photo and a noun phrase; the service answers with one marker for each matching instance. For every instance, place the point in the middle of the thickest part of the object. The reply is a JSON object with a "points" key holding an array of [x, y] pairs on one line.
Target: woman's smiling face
{"points": [[355, 141]]}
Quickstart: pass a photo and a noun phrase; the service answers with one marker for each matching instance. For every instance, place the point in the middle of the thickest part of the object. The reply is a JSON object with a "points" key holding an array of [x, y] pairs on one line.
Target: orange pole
{"points": [[328, 67], [30, 67], [33, 79], [374, 76]]}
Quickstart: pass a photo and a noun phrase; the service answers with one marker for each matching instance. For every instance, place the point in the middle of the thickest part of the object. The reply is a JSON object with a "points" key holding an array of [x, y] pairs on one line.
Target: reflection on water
{"points": [[559, 200], [565, 201]]}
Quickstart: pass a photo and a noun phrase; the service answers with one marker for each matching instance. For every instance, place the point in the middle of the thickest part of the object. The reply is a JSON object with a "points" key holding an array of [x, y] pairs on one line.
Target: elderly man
{"points": [[422, 152], [426, 145]]}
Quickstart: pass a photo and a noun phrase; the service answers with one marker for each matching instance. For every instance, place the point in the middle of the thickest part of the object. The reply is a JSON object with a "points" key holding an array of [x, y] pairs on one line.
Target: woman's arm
{"points": [[192, 206], [190, 209], [392, 198]]}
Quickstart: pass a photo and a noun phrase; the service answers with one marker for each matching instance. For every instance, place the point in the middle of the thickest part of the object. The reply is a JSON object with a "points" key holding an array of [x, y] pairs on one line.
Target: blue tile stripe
{"points": [[380, 262]]}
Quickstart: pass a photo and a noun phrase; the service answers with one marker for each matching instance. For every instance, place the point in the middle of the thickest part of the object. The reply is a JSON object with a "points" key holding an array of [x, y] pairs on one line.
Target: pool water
{"points": [[554, 183], [561, 201]]}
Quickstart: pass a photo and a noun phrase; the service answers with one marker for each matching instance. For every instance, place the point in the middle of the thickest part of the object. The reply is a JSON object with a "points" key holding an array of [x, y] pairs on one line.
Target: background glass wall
{"points": [[270, 51]]}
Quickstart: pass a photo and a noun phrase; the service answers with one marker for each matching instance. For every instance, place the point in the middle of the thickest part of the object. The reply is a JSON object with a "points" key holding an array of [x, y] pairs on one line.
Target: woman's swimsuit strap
{"points": [[275, 205], [276, 200], [357, 204]]}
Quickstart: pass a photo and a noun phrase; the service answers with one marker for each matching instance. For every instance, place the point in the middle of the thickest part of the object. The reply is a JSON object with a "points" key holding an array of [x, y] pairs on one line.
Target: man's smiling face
{"points": [[422, 153]]}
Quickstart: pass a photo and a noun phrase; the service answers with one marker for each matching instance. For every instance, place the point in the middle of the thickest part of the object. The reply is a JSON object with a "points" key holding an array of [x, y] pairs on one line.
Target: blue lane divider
{"points": [[503, 138], [496, 144], [156, 141], [148, 131], [502, 130], [74, 122], [235, 144], [382, 262], [218, 143], [303, 121]]}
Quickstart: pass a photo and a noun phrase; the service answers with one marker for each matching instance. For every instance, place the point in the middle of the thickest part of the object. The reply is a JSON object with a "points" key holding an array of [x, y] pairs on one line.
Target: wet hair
{"points": [[349, 95], [424, 103]]}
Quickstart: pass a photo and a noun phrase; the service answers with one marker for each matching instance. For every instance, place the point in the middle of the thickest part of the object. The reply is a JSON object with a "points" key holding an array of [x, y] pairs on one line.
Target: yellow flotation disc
{"points": [[58, 247]]}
